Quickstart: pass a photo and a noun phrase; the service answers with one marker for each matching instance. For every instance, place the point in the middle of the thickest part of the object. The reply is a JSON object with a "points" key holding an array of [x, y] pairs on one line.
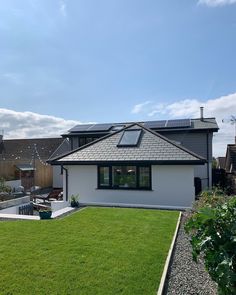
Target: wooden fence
{"points": [[43, 173]]}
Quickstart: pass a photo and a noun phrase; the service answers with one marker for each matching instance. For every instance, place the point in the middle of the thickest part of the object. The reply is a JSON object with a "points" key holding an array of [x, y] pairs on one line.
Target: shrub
{"points": [[213, 233], [45, 209], [210, 198], [74, 200], [3, 187]]}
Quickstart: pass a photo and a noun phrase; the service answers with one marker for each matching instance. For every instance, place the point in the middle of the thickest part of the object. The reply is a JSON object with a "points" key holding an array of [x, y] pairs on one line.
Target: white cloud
{"points": [[220, 108], [138, 108], [32, 125], [62, 8], [214, 3]]}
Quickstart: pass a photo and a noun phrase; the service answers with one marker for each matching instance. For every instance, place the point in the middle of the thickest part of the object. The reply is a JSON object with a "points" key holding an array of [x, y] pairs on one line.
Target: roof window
{"points": [[130, 138]]}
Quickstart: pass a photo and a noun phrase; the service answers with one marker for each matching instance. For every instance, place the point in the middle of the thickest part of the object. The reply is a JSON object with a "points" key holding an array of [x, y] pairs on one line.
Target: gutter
{"points": [[146, 162]]}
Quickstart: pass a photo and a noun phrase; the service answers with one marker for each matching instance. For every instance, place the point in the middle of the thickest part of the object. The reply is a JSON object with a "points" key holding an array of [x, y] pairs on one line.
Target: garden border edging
{"points": [[168, 259]]}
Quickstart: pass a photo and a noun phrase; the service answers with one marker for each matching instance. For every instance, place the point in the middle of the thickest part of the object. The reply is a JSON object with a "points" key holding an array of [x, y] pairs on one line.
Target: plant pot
{"points": [[45, 214], [74, 204]]}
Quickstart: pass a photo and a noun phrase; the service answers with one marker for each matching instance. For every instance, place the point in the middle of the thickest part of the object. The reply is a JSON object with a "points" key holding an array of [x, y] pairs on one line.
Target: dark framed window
{"points": [[130, 138], [124, 177], [144, 176], [82, 141], [89, 139], [104, 176]]}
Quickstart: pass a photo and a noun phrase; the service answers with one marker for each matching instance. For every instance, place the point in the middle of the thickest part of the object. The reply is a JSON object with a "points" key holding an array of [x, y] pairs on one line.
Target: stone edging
{"points": [[168, 259]]}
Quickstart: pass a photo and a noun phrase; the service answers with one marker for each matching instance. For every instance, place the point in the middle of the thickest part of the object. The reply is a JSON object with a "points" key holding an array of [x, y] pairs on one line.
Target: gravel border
{"points": [[184, 275]]}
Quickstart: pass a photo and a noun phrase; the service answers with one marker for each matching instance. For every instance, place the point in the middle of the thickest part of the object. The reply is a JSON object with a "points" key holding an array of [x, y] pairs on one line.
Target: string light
{"points": [[38, 156]]}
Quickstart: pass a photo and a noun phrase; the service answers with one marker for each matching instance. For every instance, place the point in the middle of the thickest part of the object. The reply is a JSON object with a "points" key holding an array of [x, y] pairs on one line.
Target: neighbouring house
{"points": [[230, 159], [218, 173], [131, 164], [25, 159], [230, 166], [194, 134], [220, 163]]}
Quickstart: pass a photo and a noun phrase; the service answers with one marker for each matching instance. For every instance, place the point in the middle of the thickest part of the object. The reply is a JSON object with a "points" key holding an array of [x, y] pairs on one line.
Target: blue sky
{"points": [[118, 60]]}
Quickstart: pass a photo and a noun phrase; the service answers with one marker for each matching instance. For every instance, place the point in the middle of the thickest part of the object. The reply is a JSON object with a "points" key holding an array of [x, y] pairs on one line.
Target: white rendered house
{"points": [[134, 166]]}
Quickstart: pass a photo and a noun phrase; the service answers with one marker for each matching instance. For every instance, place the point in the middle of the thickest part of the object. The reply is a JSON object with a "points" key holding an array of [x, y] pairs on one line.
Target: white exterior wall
{"points": [[57, 180], [172, 187], [58, 205]]}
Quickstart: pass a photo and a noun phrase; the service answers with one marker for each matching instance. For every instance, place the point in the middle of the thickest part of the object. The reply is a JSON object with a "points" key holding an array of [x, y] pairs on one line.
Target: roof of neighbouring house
{"points": [[231, 158], [221, 162], [23, 149], [206, 123], [160, 126], [152, 147]]}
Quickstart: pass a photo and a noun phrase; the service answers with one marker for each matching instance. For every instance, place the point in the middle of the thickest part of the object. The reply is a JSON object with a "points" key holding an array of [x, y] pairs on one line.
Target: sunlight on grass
{"points": [[95, 251]]}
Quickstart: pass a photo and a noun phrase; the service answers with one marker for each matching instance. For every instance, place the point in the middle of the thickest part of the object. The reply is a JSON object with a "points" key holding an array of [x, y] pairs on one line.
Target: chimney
{"points": [[201, 113]]}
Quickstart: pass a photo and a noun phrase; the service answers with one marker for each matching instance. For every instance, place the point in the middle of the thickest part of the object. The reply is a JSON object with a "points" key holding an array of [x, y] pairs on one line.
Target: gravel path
{"points": [[186, 276]]}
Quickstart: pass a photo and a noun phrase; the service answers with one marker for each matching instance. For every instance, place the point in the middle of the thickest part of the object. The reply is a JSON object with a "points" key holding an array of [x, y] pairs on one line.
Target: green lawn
{"points": [[95, 251]]}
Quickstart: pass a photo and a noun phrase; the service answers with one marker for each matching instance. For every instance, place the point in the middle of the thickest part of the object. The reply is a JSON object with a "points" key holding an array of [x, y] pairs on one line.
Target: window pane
{"points": [[104, 176], [74, 142], [89, 139], [144, 176], [82, 141], [130, 138], [124, 176]]}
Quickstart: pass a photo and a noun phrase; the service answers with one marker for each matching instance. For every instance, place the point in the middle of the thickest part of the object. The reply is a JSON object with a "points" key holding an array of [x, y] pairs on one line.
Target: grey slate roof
{"points": [[206, 123], [153, 147]]}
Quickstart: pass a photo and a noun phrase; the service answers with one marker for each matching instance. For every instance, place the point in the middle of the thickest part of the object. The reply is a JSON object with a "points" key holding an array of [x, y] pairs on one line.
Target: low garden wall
{"points": [[14, 202], [58, 205], [13, 183]]}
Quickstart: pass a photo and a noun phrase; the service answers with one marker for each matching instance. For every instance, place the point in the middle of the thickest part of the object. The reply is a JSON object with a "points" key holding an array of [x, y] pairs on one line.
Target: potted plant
{"points": [[45, 213], [74, 201]]}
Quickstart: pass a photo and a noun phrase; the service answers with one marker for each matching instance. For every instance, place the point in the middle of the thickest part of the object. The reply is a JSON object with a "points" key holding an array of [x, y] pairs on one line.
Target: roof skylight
{"points": [[130, 138]]}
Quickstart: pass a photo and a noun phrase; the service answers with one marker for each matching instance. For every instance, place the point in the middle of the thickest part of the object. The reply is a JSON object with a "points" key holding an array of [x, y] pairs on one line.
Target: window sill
{"points": [[124, 189]]}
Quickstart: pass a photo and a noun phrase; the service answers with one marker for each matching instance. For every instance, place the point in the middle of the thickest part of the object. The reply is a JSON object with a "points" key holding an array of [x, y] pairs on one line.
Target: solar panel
{"points": [[80, 127], [117, 127], [155, 124], [100, 127], [178, 123]]}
